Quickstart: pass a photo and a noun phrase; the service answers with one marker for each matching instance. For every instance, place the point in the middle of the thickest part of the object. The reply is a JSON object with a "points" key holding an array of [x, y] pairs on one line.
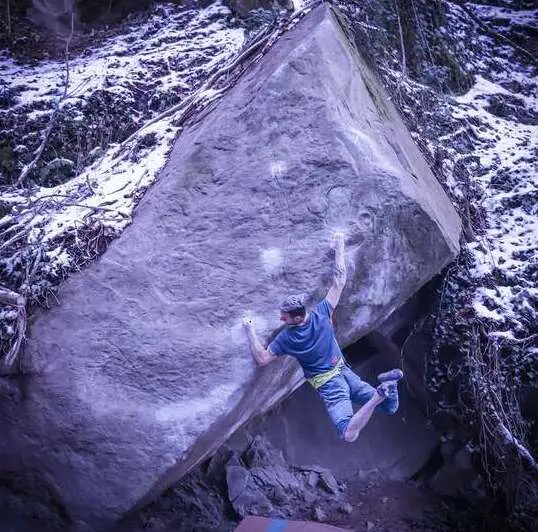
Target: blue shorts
{"points": [[341, 391]]}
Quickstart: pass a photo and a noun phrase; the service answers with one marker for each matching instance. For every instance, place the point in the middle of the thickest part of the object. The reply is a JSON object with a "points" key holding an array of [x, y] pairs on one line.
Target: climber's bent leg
{"points": [[361, 392], [338, 394], [362, 416], [335, 395]]}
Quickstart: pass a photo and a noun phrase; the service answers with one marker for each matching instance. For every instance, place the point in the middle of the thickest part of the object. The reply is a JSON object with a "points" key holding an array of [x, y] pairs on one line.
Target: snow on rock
{"points": [[154, 65]]}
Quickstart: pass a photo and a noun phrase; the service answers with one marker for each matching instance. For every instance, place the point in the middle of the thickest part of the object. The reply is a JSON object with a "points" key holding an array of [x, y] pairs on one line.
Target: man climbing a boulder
{"points": [[309, 337]]}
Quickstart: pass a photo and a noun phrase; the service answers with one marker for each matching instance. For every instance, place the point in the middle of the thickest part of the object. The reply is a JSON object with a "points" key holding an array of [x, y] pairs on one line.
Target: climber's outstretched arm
{"points": [[340, 274], [259, 352]]}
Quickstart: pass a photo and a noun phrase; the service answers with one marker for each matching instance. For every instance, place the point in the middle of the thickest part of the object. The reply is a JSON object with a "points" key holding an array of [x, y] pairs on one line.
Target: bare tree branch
{"points": [[529, 55], [402, 45], [52, 121], [10, 298]]}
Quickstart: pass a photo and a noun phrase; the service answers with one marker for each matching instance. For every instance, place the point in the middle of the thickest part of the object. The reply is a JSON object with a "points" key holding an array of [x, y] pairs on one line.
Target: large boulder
{"points": [[143, 369]]}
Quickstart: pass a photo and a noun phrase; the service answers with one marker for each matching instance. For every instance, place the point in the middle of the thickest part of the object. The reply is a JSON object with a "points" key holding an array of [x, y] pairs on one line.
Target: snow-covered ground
{"points": [[163, 61], [485, 144], [506, 248], [500, 114], [170, 54]]}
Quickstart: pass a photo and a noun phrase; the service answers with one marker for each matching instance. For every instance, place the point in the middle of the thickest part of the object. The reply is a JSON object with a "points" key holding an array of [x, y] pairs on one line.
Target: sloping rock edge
{"points": [[285, 379]]}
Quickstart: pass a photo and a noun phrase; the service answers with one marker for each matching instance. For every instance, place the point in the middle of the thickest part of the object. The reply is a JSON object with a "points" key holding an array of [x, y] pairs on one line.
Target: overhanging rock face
{"points": [[143, 370]]}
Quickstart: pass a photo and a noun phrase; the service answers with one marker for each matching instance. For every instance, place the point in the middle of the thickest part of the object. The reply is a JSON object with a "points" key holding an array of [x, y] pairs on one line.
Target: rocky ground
{"points": [[258, 481]]}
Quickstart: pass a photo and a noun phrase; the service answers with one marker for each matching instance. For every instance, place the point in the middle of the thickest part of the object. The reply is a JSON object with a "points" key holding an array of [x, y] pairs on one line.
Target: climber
{"points": [[309, 337]]}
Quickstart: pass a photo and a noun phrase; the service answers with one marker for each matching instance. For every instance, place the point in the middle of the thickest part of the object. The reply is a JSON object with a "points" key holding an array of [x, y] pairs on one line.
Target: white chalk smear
{"points": [[271, 259], [237, 330], [278, 168]]}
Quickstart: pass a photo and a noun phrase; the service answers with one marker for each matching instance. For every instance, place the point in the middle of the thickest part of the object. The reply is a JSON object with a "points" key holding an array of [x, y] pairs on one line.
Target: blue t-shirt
{"points": [[313, 344]]}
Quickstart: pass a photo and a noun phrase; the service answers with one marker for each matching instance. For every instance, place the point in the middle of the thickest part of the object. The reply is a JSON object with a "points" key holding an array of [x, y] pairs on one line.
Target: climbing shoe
{"points": [[392, 375], [388, 389]]}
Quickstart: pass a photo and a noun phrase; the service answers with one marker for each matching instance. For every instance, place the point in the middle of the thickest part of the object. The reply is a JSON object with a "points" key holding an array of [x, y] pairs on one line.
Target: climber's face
{"points": [[288, 319]]}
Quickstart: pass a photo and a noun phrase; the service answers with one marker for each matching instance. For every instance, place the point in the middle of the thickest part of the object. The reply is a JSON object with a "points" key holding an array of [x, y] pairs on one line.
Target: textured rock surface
{"points": [[263, 483], [143, 369]]}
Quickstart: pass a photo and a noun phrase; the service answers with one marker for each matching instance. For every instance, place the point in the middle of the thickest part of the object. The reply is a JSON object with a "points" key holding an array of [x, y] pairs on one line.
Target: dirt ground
{"points": [[395, 506]]}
